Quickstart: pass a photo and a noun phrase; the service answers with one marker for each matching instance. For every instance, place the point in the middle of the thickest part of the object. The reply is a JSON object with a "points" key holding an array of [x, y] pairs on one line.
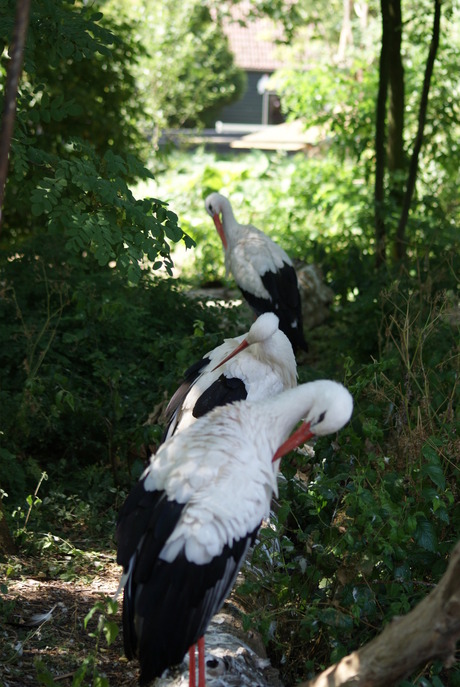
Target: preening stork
{"points": [[255, 365], [263, 271], [185, 529]]}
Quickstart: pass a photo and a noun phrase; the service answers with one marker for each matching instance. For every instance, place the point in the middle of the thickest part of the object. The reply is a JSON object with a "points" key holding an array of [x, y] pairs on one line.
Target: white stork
{"points": [[263, 271], [184, 530], [255, 365]]}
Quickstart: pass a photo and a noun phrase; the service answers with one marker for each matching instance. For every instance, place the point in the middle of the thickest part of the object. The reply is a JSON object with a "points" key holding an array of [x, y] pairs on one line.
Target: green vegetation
{"points": [[186, 73], [95, 333]]}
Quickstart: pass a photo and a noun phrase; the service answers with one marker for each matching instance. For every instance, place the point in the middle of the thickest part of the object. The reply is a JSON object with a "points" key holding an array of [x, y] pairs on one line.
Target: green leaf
{"points": [[173, 232], [425, 535], [433, 468], [189, 242], [110, 630], [44, 676], [79, 676], [334, 618], [100, 681], [90, 614], [435, 473], [429, 453]]}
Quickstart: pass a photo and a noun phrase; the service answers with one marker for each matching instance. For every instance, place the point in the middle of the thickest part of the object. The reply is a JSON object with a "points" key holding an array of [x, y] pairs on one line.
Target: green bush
{"points": [[85, 358], [357, 539]]}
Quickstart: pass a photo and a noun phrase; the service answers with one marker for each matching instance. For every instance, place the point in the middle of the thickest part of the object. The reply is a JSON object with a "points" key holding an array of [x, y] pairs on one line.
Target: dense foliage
{"points": [[70, 178], [340, 99], [95, 357], [92, 344], [188, 72], [370, 521]]}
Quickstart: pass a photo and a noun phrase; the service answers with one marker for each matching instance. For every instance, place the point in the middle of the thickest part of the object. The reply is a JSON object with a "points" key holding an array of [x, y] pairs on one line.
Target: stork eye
{"points": [[322, 416]]}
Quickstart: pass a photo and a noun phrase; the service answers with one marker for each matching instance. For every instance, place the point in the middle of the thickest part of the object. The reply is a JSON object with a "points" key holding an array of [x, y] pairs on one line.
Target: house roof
{"points": [[252, 40], [291, 136]]}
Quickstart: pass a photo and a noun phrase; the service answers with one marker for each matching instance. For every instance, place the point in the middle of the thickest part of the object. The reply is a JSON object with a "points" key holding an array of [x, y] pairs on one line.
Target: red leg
{"points": [[201, 664], [191, 667]]}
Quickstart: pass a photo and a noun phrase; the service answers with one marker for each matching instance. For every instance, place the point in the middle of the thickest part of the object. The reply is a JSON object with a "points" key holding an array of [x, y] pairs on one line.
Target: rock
{"points": [[316, 296]]}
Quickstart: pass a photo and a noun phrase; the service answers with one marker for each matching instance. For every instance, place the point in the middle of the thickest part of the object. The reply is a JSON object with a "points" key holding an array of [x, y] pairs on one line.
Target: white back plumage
{"points": [[266, 367]]}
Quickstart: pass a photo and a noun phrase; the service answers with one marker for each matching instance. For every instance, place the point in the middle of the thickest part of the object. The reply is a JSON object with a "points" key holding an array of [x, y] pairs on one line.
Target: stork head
{"points": [[215, 205], [330, 406], [262, 329]]}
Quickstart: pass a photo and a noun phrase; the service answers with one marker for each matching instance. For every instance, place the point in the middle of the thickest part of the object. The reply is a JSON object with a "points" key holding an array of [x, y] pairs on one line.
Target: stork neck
{"points": [[262, 353], [278, 358], [231, 226], [294, 406]]}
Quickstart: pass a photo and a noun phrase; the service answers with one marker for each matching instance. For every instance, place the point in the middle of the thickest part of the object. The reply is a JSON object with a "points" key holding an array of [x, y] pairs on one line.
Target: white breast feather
{"points": [[259, 378]]}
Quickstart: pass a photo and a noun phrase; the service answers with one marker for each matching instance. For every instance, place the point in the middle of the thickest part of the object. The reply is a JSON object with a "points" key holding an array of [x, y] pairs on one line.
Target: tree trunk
{"points": [[7, 545], [380, 118], [16, 53], [363, 13], [400, 245], [395, 142], [346, 34]]}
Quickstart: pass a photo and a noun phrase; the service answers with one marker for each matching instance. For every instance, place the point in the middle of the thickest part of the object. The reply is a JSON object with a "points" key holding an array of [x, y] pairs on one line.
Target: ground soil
{"points": [[62, 642]]}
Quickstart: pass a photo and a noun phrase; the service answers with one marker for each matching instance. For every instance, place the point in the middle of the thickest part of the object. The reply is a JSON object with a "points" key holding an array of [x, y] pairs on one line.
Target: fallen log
{"points": [[234, 658]]}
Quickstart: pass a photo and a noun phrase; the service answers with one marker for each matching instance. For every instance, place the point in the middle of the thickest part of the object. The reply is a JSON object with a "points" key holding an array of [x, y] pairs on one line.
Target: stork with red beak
{"points": [[256, 365], [263, 271], [186, 527]]}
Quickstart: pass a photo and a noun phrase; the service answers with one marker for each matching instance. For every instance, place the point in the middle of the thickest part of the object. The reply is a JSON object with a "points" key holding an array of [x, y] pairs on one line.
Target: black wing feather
{"points": [[176, 603], [224, 390], [285, 303], [145, 522], [167, 606], [190, 377]]}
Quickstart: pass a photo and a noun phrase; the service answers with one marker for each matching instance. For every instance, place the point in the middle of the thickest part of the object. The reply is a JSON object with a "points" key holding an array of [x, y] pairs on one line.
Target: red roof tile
{"points": [[254, 43]]}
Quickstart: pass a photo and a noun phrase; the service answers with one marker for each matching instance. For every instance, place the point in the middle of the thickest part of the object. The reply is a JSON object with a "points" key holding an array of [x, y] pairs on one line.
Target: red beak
{"points": [[300, 436], [244, 344], [220, 229]]}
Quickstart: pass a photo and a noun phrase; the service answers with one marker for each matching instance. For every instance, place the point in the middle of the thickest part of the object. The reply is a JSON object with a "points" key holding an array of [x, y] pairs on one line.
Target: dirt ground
{"points": [[62, 642]]}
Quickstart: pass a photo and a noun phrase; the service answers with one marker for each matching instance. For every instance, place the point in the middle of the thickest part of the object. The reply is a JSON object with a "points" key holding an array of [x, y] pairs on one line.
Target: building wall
{"points": [[247, 110]]}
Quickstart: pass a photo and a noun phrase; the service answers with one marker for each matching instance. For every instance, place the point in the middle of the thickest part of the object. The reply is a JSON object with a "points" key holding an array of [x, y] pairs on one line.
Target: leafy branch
{"points": [[88, 200]]}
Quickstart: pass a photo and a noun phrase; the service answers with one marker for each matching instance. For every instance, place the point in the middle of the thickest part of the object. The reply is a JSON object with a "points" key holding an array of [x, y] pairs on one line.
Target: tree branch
{"points": [[16, 52], [428, 632], [413, 167]]}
